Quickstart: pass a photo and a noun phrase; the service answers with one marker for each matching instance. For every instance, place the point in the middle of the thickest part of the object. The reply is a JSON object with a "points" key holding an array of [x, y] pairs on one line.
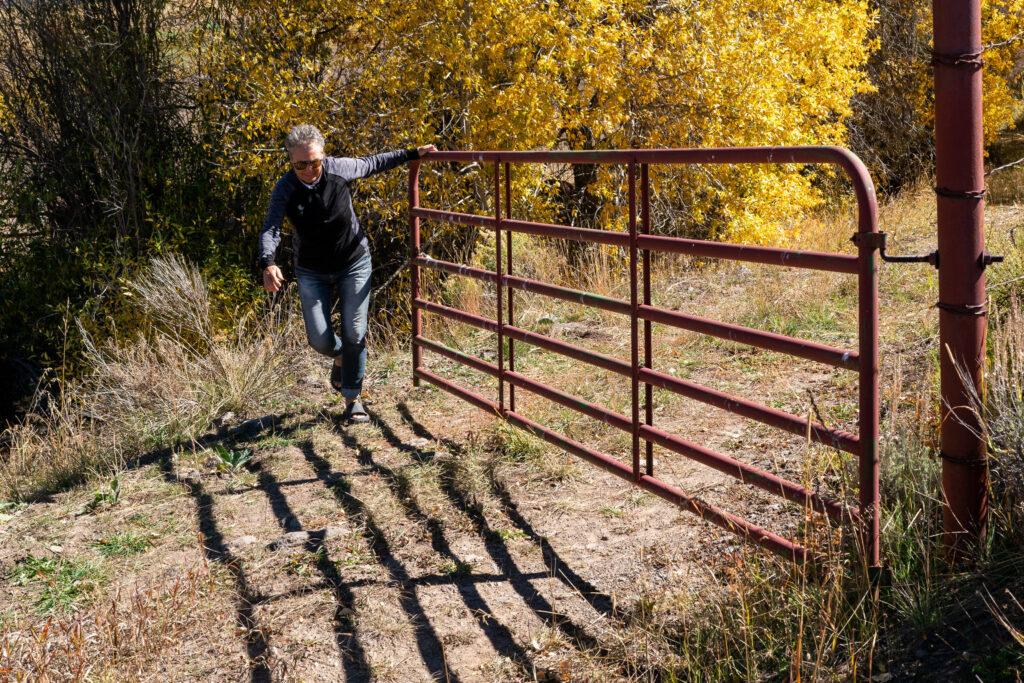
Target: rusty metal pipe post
{"points": [[960, 186], [414, 269], [869, 465]]}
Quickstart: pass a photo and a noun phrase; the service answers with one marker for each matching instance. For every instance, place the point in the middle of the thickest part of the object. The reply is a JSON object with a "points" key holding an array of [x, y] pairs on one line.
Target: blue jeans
{"points": [[320, 294]]}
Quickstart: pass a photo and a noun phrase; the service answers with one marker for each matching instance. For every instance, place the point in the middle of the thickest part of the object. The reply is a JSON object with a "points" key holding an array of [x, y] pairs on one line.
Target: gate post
{"points": [[960, 186]]}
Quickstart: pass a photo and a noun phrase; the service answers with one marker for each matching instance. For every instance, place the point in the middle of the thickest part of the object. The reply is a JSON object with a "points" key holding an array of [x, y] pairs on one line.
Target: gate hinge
{"points": [[876, 240]]}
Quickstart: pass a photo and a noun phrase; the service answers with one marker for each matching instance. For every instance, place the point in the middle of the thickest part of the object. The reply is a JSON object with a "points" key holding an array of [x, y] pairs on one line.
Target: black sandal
{"points": [[355, 413]]}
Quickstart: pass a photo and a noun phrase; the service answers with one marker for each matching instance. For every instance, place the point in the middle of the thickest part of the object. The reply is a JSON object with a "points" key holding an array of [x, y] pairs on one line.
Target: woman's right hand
{"points": [[273, 279]]}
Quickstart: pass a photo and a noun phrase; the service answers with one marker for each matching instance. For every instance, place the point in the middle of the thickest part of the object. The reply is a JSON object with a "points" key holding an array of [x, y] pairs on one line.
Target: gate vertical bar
{"points": [[645, 227], [960, 181], [510, 292], [414, 269], [633, 320], [499, 288]]}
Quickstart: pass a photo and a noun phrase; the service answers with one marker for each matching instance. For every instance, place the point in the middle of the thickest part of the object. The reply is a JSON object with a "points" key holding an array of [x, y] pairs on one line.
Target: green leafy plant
{"points": [[109, 496], [305, 564], [455, 567], [230, 460], [511, 534]]}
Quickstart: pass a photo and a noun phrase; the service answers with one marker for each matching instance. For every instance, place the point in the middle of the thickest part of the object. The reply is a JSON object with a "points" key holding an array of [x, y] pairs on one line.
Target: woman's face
{"points": [[307, 162]]}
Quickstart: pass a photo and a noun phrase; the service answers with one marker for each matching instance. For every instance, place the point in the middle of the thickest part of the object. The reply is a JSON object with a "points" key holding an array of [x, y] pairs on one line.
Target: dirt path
{"points": [[414, 548], [382, 552], [401, 550]]}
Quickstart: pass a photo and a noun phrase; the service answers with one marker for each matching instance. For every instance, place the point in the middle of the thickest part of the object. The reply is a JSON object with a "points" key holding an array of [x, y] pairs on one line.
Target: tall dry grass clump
{"points": [[1004, 422], [166, 385]]}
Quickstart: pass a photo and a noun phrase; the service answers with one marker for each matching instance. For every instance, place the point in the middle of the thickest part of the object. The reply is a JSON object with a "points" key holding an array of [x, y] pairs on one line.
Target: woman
{"points": [[332, 255]]}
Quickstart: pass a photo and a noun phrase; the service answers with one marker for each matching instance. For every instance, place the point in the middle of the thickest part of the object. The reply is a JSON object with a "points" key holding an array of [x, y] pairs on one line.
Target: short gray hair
{"points": [[304, 135]]}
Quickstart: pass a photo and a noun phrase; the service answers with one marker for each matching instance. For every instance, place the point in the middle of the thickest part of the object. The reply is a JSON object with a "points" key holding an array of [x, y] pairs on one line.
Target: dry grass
{"points": [[1002, 412], [121, 638], [165, 386]]}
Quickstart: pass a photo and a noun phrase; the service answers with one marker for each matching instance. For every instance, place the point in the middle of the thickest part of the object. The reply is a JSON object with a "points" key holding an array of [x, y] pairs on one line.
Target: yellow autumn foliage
{"points": [[1002, 28], [581, 74]]}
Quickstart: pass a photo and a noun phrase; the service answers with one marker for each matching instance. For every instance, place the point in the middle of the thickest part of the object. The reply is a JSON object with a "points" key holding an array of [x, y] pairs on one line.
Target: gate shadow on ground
{"points": [[257, 646], [496, 546], [216, 550], [351, 651], [346, 637], [429, 645], [497, 633], [600, 601]]}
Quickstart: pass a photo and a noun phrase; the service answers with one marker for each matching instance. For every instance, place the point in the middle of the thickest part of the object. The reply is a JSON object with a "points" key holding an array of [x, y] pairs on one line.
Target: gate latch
{"points": [[877, 240]]}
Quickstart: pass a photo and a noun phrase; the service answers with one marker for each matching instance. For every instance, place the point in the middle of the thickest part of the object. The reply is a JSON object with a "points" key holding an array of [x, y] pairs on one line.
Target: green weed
{"points": [[454, 567], [230, 460], [65, 582], [122, 544], [511, 534], [104, 497], [304, 564]]}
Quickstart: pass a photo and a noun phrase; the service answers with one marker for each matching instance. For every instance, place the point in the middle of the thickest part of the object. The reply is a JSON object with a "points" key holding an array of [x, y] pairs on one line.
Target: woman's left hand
{"points": [[425, 149]]}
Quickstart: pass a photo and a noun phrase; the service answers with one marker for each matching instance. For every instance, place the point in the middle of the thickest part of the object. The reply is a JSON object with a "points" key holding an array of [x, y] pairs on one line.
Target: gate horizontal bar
{"points": [[838, 263], [755, 411], [528, 285], [453, 217], [457, 356], [749, 409], [751, 532], [809, 154], [476, 399], [801, 348], [612, 237], [710, 513], [747, 474], [598, 359]]}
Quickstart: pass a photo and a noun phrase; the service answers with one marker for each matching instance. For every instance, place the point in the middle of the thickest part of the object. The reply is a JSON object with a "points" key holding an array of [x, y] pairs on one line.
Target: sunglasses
{"points": [[307, 163]]}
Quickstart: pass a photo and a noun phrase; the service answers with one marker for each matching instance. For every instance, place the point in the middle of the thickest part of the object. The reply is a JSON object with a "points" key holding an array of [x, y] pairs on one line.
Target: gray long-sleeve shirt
{"points": [[327, 233]]}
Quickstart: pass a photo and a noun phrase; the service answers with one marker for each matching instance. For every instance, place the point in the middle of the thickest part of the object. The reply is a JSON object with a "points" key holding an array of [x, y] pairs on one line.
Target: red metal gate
{"points": [[639, 369]]}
